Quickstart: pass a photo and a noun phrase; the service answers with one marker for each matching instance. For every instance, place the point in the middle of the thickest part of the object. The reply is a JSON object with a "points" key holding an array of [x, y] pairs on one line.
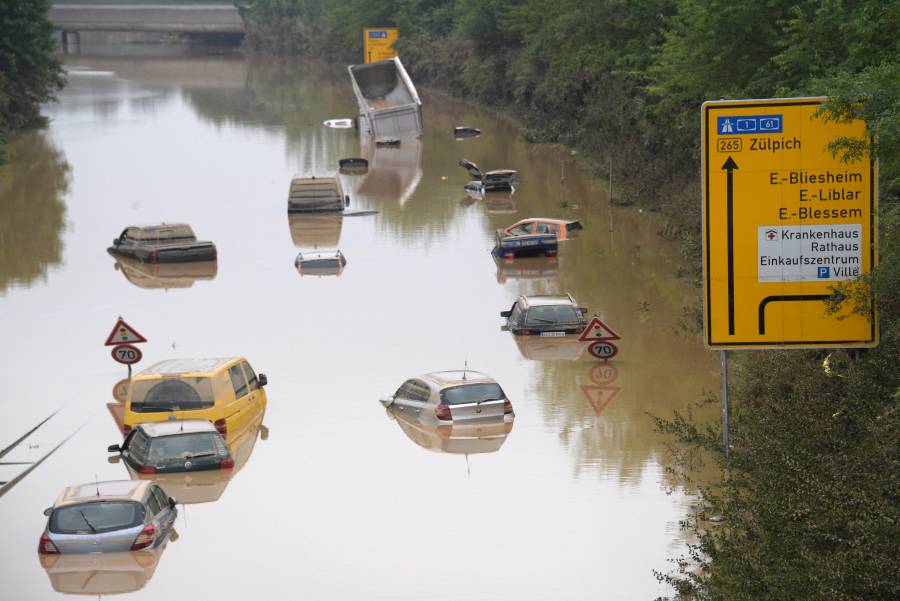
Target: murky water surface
{"points": [[339, 501]]}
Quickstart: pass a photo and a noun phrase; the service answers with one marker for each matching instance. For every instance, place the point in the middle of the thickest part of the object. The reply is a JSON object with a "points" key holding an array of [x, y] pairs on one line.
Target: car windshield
{"points": [[551, 314], [171, 394], [471, 393], [180, 447], [328, 262], [96, 516]]}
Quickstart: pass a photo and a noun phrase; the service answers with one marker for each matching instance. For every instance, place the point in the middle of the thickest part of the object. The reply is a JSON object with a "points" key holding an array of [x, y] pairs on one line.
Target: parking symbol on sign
{"points": [[824, 272]]}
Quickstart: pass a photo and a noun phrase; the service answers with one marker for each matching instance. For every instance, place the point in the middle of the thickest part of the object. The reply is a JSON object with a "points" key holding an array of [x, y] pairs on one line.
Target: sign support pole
{"points": [[725, 400]]}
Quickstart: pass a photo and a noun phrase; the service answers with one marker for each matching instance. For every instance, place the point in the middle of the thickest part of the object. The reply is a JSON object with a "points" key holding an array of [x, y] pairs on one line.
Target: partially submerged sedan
{"points": [[163, 243], [452, 397], [120, 515], [320, 262], [563, 229], [545, 315], [174, 446]]}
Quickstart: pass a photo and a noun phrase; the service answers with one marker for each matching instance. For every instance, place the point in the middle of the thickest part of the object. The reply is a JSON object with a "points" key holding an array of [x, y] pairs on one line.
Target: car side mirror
{"points": [[48, 511], [505, 313], [115, 241], [504, 328], [263, 380], [172, 503], [113, 448], [113, 459], [583, 311]]}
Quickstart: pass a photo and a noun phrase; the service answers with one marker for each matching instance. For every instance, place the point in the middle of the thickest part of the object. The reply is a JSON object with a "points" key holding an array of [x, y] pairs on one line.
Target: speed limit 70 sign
{"points": [[127, 354]]}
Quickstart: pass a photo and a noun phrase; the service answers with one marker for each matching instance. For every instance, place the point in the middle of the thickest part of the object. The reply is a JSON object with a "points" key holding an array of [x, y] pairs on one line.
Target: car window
{"points": [[251, 376], [471, 393], [420, 391], [519, 230], [199, 447], [171, 394], [101, 517], [547, 228], [138, 446], [551, 314], [406, 390], [161, 497], [237, 380], [515, 315], [153, 505]]}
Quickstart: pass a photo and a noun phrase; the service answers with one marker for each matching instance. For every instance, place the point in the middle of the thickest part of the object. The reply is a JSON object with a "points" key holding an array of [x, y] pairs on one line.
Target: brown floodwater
{"points": [[341, 499]]}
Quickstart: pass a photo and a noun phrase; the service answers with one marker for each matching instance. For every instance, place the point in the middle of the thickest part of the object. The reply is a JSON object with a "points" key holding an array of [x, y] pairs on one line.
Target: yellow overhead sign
{"points": [[783, 222], [378, 43]]}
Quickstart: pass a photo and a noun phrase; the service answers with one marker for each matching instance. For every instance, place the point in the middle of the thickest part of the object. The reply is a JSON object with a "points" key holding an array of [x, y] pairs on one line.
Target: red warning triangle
{"points": [[597, 330], [599, 396], [122, 333]]}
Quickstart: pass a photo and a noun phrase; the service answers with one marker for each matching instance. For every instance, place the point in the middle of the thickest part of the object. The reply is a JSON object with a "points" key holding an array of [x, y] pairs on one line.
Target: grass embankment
{"points": [[811, 490]]}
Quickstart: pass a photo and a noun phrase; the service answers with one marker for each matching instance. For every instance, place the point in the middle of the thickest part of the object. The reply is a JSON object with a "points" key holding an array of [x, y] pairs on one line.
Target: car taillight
{"points": [[226, 464], [144, 539], [46, 546], [507, 407], [126, 429], [153, 258], [521, 332], [222, 426], [442, 411], [147, 469]]}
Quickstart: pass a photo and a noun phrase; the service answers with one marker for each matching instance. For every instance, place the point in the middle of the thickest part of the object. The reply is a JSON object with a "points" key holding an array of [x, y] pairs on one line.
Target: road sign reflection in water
{"points": [[784, 221]]}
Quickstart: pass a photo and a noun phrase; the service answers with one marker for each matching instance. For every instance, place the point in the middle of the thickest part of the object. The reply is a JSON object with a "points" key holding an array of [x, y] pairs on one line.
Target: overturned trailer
{"points": [[389, 106]]}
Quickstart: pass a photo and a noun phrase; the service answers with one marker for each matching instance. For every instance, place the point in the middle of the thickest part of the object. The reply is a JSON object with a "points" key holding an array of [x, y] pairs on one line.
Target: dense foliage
{"points": [[810, 494], [30, 73]]}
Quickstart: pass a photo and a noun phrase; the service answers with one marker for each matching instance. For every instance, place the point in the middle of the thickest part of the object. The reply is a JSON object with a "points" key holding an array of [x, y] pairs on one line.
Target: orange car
{"points": [[564, 229]]}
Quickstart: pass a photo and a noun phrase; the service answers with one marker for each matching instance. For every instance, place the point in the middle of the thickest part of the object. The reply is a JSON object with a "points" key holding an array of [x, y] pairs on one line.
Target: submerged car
{"points": [[163, 243], [320, 262], [174, 446], [563, 229], [120, 515], [452, 397], [316, 194], [545, 315], [488, 181], [532, 245], [224, 391]]}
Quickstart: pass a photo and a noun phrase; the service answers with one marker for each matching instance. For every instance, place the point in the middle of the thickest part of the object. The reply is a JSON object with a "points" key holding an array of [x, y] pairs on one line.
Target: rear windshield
{"points": [[181, 447], [171, 394], [321, 263], [551, 314], [96, 517], [471, 393]]}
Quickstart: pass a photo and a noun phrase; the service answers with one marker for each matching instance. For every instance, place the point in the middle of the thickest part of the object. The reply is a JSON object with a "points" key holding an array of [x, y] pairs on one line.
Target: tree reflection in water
{"points": [[32, 212]]}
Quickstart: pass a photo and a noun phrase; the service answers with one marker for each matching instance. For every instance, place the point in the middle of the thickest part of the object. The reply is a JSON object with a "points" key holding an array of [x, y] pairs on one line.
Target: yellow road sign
{"points": [[378, 43], [783, 222]]}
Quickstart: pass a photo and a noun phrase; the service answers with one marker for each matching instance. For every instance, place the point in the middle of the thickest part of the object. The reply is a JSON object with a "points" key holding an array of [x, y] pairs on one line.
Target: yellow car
{"points": [[226, 391]]}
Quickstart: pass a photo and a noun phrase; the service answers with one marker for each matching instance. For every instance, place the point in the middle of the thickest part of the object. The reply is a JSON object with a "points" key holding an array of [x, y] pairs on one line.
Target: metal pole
{"points": [[129, 371], [725, 400]]}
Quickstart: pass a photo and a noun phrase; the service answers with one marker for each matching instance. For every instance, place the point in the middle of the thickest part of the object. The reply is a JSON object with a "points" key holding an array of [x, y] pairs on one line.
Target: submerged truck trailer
{"points": [[389, 106]]}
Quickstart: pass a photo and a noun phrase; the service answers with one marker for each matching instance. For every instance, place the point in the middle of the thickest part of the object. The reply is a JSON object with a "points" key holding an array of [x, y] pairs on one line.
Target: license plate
{"points": [[553, 334]]}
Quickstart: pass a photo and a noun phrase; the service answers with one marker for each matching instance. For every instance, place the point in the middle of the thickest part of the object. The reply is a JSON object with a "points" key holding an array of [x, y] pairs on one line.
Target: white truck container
{"points": [[389, 106]]}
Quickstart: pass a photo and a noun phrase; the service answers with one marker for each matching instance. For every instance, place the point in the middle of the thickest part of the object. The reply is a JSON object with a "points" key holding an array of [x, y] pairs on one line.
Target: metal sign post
{"points": [[725, 400]]}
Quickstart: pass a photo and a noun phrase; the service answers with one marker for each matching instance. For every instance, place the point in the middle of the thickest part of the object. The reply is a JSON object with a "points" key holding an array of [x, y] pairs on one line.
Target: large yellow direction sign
{"points": [[784, 222], [378, 43]]}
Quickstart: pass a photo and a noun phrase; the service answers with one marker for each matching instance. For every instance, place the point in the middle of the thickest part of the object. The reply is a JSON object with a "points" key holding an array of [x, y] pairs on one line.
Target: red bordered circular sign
{"points": [[127, 354], [603, 349]]}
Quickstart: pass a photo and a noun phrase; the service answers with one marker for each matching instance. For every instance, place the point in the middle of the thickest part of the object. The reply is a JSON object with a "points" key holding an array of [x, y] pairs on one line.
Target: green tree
{"points": [[30, 73]]}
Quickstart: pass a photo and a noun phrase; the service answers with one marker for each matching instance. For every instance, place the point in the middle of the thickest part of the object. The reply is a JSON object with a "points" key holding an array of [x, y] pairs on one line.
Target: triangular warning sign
{"points": [[122, 333], [597, 330], [599, 396]]}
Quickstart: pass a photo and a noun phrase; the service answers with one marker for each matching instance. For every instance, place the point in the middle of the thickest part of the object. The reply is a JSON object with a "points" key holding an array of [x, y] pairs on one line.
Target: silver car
{"points": [[451, 397], [121, 515]]}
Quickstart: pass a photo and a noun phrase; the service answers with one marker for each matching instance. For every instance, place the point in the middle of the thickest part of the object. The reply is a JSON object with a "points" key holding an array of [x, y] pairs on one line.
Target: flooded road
{"points": [[341, 499]]}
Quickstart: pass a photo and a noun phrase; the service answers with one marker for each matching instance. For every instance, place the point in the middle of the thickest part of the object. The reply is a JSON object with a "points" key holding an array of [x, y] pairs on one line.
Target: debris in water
{"points": [[387, 142], [464, 131], [340, 123]]}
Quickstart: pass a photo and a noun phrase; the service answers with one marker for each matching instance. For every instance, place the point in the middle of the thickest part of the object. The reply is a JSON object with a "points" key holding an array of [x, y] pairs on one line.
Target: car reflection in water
{"points": [[560, 348], [208, 485], [462, 439], [531, 268], [102, 573], [165, 275], [315, 230], [496, 202]]}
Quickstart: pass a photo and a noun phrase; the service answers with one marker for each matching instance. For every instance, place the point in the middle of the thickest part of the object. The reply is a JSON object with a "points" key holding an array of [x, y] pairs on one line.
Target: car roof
{"points": [[170, 428], [110, 490], [186, 366], [443, 379], [537, 300]]}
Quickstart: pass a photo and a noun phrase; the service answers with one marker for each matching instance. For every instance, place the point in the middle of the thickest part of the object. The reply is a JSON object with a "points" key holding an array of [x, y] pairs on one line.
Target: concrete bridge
{"points": [[182, 16]]}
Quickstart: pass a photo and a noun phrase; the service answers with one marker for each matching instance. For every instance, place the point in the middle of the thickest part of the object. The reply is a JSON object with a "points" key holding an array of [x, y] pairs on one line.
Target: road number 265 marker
{"points": [[127, 354]]}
